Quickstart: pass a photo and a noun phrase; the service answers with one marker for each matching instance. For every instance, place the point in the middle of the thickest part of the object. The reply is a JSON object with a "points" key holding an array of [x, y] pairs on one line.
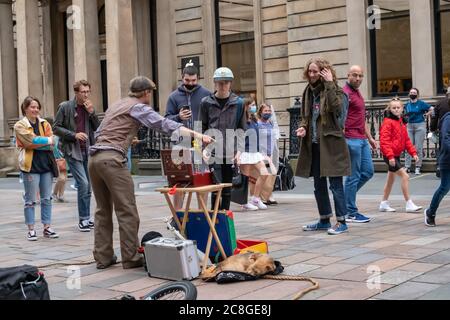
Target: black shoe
{"points": [[408, 170], [83, 226], [91, 224], [270, 203], [429, 220], [104, 266]]}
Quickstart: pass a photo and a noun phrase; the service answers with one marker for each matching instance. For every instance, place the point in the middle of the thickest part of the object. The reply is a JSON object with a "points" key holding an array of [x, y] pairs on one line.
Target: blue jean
{"points": [[80, 173], [34, 182], [441, 192], [362, 171], [321, 190]]}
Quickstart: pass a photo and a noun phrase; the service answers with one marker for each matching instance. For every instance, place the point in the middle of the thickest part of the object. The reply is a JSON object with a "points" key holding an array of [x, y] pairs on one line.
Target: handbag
{"points": [[237, 177], [53, 164], [61, 162]]}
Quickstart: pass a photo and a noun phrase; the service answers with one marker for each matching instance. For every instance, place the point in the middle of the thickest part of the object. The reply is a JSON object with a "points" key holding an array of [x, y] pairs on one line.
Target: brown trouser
{"points": [[113, 186]]}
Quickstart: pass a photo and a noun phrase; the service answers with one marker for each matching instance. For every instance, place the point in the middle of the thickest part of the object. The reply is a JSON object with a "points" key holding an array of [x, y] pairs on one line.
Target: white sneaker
{"points": [[385, 207], [411, 207], [417, 171], [250, 207], [258, 203], [31, 235]]}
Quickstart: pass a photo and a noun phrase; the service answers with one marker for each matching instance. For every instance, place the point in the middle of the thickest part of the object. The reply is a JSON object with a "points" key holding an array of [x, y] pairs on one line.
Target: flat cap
{"points": [[141, 83]]}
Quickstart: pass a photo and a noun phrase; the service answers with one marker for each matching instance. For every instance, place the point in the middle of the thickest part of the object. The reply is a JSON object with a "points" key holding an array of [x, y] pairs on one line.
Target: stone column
{"points": [[120, 48], [142, 31], [48, 97], [422, 47], [86, 48], [167, 52], [58, 55], [8, 80], [358, 41], [209, 38], [259, 59], [28, 50]]}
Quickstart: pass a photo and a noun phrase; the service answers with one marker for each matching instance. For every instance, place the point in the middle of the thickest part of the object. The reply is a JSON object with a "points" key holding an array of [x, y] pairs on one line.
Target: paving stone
{"points": [[442, 257], [324, 260], [363, 258], [420, 267], [299, 268], [399, 244], [298, 257], [441, 293], [439, 275], [120, 279], [407, 291], [348, 253], [387, 264], [398, 276], [331, 270]]}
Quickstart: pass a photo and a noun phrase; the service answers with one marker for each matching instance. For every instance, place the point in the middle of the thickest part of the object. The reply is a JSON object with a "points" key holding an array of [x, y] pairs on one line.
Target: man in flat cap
{"points": [[111, 180]]}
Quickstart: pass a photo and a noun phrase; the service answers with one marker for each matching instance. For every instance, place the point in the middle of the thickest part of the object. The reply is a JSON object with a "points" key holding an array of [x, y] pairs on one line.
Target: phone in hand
{"points": [[186, 107]]}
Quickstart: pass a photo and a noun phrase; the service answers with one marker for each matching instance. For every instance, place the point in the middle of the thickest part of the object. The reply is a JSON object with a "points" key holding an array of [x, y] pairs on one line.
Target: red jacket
{"points": [[394, 138]]}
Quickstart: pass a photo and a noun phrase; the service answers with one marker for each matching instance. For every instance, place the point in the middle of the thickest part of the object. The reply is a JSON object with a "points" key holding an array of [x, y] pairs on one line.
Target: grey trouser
{"points": [[416, 132]]}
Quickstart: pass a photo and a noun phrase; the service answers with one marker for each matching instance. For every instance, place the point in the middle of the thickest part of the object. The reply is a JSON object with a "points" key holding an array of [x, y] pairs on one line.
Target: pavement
{"points": [[395, 256]]}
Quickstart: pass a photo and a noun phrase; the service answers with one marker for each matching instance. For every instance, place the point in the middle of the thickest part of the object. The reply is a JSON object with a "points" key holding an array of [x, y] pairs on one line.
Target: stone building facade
{"points": [[46, 45]]}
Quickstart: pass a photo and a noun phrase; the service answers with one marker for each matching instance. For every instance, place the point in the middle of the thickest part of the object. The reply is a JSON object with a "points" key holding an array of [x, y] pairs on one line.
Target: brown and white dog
{"points": [[253, 263]]}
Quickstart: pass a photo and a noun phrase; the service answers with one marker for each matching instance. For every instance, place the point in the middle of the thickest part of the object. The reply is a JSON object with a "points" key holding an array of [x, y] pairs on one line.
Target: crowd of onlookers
{"points": [[335, 149]]}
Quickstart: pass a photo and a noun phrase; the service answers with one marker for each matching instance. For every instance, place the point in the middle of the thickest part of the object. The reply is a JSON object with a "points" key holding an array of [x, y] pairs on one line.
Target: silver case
{"points": [[172, 259]]}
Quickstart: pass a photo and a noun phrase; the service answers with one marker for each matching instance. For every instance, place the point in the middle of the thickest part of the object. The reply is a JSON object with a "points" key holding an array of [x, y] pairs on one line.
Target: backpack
{"points": [[285, 179], [23, 283], [342, 116]]}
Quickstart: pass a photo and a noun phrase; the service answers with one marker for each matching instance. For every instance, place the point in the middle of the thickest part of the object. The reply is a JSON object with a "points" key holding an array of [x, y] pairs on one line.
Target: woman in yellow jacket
{"points": [[34, 139]]}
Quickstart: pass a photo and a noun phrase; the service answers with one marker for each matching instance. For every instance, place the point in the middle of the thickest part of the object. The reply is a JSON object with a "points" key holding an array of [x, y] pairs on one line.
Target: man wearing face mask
{"points": [[183, 105]]}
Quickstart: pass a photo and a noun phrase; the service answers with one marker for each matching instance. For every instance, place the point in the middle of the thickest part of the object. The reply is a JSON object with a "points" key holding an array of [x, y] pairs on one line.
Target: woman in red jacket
{"points": [[393, 141]]}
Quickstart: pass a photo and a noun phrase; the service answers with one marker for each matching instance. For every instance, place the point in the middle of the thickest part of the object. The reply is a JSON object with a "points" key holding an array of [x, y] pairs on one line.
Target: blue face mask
{"points": [[267, 116], [252, 109]]}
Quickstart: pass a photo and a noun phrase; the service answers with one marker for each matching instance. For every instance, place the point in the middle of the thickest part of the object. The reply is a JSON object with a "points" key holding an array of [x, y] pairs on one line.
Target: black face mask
{"points": [[413, 96], [190, 87]]}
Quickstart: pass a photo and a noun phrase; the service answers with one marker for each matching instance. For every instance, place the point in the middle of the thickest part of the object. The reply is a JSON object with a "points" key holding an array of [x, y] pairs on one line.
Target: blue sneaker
{"points": [[338, 228], [317, 226], [357, 218]]}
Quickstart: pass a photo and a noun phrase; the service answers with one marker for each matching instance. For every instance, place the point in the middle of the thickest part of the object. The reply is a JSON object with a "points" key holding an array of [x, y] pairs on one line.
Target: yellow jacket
{"points": [[27, 141]]}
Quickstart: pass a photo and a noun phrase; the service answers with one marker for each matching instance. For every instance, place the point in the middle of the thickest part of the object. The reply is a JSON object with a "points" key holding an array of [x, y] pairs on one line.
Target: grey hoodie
{"points": [[182, 97]]}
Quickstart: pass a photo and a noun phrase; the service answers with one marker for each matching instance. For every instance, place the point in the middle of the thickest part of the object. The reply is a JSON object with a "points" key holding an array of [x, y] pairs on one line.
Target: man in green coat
{"points": [[323, 150]]}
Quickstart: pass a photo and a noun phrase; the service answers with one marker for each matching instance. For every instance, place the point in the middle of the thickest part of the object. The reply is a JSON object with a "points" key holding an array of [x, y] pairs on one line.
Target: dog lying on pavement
{"points": [[253, 263]]}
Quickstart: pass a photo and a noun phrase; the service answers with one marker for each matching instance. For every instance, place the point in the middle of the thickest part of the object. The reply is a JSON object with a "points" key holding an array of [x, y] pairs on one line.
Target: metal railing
{"points": [[374, 118]]}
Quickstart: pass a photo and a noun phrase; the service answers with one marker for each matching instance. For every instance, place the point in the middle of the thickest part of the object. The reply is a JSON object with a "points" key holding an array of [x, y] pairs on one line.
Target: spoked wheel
{"points": [[178, 290]]}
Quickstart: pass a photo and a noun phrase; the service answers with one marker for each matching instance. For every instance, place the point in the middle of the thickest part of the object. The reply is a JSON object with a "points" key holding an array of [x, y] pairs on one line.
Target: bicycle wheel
{"points": [[178, 290]]}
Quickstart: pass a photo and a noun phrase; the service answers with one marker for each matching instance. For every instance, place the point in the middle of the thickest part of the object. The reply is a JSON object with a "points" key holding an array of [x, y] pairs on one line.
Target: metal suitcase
{"points": [[172, 259]]}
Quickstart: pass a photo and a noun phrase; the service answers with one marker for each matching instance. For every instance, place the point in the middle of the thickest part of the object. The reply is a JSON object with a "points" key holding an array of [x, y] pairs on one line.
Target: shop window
{"points": [[391, 49], [442, 21], [236, 42]]}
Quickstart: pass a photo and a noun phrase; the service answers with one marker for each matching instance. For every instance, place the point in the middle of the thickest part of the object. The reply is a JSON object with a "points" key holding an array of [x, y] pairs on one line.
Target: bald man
{"points": [[359, 141]]}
